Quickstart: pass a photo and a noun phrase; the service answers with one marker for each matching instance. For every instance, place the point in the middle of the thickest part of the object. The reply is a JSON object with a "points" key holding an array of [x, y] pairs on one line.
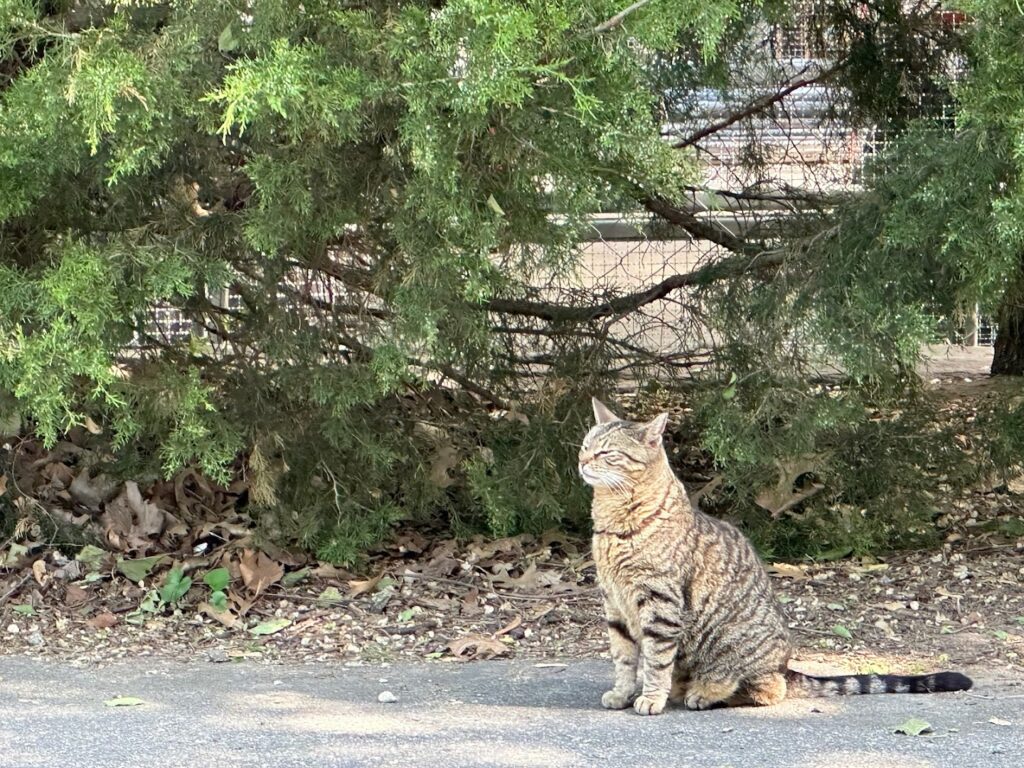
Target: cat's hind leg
{"points": [[766, 690], [705, 694]]}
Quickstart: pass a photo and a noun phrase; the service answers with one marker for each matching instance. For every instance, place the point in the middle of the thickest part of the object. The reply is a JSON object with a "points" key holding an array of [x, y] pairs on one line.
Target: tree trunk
{"points": [[1009, 345]]}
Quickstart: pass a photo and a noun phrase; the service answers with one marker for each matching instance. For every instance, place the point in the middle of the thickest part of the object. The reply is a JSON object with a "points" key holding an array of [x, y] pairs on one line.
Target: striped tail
{"points": [[814, 686]]}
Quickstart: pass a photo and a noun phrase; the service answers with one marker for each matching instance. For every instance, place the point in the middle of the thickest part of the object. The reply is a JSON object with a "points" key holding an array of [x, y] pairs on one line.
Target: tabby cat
{"points": [[688, 602]]}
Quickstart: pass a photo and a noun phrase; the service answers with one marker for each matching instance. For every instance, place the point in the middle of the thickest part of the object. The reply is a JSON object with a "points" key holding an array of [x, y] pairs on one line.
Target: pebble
{"points": [[35, 638], [386, 697], [13, 629]]}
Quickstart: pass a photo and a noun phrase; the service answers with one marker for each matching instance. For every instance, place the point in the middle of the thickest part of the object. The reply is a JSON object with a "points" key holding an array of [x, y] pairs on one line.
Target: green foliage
{"points": [[217, 580], [368, 179], [175, 587], [880, 470]]}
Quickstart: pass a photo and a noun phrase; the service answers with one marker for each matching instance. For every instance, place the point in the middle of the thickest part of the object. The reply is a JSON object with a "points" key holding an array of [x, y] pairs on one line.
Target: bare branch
{"points": [[701, 230], [618, 18], [759, 105], [724, 268]]}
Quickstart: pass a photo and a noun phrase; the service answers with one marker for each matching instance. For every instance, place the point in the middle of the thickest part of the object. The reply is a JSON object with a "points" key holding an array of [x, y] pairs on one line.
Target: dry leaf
{"points": [[787, 571], [39, 572], [258, 571], [357, 587], [242, 604], [3, 484], [103, 620], [785, 494], [509, 627], [92, 426], [91, 492], [483, 647], [149, 517], [227, 618], [446, 459], [470, 606], [532, 578], [75, 595]]}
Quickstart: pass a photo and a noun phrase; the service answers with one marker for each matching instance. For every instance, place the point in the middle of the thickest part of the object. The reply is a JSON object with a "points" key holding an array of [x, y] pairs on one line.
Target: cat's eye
{"points": [[611, 456]]}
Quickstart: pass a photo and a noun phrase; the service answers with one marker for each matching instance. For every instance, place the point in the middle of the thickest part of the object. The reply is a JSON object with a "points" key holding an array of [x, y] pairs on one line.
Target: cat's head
{"points": [[618, 453]]}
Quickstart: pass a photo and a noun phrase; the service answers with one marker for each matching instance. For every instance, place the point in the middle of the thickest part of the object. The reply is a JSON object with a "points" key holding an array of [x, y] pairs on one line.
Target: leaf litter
{"points": [[421, 596]]}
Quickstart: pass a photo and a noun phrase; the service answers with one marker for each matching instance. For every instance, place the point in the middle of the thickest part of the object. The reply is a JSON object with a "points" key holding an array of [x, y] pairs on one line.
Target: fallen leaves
{"points": [[271, 627], [787, 571], [104, 620], [137, 570], [361, 587], [259, 571], [914, 726], [482, 647]]}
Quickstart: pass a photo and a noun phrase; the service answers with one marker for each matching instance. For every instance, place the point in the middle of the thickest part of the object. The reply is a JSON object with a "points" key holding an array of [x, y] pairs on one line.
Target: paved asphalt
{"points": [[201, 714]]}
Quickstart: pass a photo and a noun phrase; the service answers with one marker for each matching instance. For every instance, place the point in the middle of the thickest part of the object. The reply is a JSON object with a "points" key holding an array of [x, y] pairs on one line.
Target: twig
{"points": [[759, 105], [497, 590], [618, 18], [14, 590]]}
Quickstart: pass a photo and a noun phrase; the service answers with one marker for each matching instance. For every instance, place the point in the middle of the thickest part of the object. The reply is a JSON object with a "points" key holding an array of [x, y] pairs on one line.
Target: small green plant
{"points": [[150, 605], [217, 580], [175, 588]]}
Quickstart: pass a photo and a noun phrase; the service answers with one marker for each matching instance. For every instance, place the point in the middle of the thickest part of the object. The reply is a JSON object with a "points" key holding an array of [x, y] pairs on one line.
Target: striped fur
{"points": [[690, 609]]}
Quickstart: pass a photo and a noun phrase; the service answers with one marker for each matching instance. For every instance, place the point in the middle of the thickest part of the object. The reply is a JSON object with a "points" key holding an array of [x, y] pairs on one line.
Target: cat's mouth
{"points": [[593, 478]]}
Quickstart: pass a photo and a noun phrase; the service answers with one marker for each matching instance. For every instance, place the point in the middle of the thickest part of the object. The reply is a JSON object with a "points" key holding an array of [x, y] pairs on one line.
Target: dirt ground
{"points": [[429, 597], [947, 361], [526, 597]]}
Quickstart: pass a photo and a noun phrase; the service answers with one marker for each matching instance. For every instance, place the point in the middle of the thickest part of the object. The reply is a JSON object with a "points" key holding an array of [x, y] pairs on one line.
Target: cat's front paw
{"points": [[650, 705], [616, 699]]}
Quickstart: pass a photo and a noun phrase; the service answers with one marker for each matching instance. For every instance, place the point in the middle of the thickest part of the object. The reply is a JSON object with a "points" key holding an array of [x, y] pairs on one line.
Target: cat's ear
{"points": [[602, 413], [654, 429]]}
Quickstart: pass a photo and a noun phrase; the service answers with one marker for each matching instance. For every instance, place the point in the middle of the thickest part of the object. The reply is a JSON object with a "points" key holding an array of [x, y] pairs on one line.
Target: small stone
{"points": [[13, 629], [386, 697], [35, 638], [217, 655]]}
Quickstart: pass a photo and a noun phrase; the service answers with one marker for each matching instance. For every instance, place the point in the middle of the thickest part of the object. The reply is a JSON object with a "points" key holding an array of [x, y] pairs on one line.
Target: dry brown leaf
{"points": [[784, 494], [483, 647], [532, 578], [3, 484], [445, 459], [357, 587], [75, 595], [787, 571], [149, 517], [484, 550], [103, 620], [509, 627], [226, 617], [91, 492], [39, 572], [92, 426], [242, 604], [328, 571], [470, 606], [258, 571]]}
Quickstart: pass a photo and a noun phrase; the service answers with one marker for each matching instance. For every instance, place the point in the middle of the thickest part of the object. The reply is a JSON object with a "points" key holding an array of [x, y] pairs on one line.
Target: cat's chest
{"points": [[623, 568]]}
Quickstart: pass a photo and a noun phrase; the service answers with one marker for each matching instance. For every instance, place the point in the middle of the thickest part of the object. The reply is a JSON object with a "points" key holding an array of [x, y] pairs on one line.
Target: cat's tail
{"points": [[813, 686]]}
